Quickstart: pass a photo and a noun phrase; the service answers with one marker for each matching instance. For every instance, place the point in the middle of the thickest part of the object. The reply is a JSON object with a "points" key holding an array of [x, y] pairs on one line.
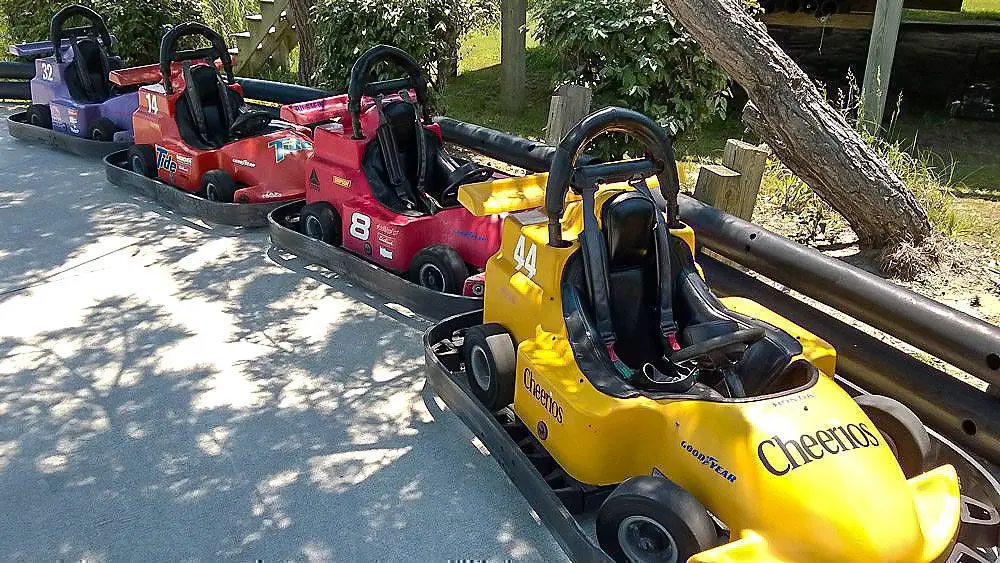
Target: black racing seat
{"points": [[207, 109], [628, 222], [398, 146], [87, 75]]}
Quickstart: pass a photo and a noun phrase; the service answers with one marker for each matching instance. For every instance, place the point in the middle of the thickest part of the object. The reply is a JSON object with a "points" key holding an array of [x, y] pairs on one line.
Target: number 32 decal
{"points": [[526, 261]]}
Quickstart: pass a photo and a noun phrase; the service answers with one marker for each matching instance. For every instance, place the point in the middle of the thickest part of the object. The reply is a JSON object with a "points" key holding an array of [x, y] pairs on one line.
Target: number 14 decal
{"points": [[526, 262]]}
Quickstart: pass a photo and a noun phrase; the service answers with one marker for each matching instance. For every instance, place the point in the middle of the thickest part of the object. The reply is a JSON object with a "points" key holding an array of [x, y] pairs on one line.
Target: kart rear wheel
{"points": [[40, 115], [650, 518], [490, 361], [320, 221], [142, 160], [905, 435], [440, 268], [103, 130], [218, 185]]}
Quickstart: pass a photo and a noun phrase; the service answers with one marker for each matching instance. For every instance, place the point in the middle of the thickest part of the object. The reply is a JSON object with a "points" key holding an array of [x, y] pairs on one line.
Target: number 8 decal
{"points": [[526, 262], [360, 225]]}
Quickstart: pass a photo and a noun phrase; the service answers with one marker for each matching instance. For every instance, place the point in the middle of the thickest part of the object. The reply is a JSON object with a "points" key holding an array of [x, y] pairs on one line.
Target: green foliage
{"points": [[137, 25], [635, 54], [428, 30]]}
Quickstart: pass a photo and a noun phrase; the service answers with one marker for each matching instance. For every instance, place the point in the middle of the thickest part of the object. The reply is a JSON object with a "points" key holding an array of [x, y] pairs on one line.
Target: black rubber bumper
{"points": [[235, 214], [419, 299], [19, 127], [977, 540], [449, 384]]}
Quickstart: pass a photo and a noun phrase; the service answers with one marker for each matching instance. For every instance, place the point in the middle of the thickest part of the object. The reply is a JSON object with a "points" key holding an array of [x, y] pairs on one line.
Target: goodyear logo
{"points": [[708, 460], [543, 396], [289, 145]]}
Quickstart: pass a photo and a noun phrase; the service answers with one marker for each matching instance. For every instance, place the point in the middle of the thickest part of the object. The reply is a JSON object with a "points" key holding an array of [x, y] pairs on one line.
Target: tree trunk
{"points": [[298, 13], [812, 139]]}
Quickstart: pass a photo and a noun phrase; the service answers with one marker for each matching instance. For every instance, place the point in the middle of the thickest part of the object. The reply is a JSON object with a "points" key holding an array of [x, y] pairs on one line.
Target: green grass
{"points": [[971, 10]]}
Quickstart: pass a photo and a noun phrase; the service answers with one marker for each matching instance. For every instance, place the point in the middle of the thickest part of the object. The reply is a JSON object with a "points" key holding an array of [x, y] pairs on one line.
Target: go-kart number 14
{"points": [[361, 226], [526, 262], [151, 103]]}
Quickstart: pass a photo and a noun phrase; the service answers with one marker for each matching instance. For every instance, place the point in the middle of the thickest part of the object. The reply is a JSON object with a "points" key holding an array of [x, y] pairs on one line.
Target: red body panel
{"points": [[369, 229], [266, 168]]}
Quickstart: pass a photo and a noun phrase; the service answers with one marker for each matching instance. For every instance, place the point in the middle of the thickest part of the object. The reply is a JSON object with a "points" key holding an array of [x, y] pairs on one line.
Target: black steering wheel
{"points": [[97, 28], [170, 54], [360, 86], [249, 123], [477, 174], [709, 348]]}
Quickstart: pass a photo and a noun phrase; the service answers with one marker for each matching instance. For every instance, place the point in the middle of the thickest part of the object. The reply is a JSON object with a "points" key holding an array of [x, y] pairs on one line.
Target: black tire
{"points": [[142, 160], [440, 268], [650, 518], [103, 130], [905, 435], [490, 362], [320, 221], [218, 185], [40, 115]]}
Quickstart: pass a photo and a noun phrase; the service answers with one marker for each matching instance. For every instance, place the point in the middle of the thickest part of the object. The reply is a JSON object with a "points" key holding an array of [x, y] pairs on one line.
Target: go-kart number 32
{"points": [[526, 262], [48, 72]]}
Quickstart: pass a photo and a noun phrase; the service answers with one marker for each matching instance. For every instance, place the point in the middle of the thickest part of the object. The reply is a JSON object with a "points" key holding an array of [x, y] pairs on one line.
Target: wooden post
{"points": [[881, 52], [750, 161], [570, 104], [513, 51], [718, 186]]}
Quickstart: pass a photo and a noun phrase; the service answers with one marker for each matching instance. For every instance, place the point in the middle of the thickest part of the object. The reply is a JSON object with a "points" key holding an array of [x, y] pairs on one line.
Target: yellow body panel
{"points": [[801, 476]]}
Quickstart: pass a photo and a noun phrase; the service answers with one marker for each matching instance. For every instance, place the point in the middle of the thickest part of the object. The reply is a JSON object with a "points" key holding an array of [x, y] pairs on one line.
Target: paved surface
{"points": [[174, 390]]}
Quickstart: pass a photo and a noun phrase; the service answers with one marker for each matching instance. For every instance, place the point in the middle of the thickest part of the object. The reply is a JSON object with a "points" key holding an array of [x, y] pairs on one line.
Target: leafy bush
{"points": [[428, 30], [635, 54], [137, 25]]}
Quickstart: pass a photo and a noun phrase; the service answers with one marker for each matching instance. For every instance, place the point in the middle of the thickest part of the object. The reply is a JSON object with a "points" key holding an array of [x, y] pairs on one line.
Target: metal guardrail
{"points": [[953, 407]]}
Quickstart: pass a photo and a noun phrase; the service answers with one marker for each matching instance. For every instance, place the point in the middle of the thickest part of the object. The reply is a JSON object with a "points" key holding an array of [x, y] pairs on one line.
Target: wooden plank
{"points": [[836, 21], [513, 51], [718, 186], [881, 53], [749, 160], [570, 104]]}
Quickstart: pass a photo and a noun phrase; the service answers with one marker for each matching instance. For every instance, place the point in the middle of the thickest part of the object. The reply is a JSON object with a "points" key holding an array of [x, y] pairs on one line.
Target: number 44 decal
{"points": [[526, 262]]}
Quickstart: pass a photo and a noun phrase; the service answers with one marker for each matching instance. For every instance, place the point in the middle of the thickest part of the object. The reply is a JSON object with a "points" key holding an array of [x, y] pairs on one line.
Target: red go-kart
{"points": [[194, 131], [383, 186]]}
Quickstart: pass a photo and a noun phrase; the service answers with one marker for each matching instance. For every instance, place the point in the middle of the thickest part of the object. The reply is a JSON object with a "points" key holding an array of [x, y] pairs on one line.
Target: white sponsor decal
{"points": [[243, 162], [270, 195], [385, 253]]}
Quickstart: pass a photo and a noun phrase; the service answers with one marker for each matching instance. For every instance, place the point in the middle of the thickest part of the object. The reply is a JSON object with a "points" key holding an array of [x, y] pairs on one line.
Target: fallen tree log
{"points": [[809, 136]]}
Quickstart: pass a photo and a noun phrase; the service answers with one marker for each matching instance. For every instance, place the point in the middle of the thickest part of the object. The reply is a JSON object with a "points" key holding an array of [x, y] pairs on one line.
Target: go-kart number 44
{"points": [[526, 262]]}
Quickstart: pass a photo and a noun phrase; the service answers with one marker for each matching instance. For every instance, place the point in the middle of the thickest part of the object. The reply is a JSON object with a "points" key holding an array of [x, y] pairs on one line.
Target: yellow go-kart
{"points": [[715, 424]]}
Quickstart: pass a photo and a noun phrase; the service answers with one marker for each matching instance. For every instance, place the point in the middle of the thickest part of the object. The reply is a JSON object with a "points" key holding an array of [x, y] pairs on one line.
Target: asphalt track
{"points": [[171, 389]]}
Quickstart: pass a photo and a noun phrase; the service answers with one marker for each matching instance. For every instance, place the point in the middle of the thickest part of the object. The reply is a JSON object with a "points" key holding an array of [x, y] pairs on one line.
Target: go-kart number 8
{"points": [[151, 103], [526, 262], [47, 72], [361, 225]]}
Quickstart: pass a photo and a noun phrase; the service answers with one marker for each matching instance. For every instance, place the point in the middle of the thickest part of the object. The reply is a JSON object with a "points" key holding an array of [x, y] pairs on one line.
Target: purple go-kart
{"points": [[74, 104]]}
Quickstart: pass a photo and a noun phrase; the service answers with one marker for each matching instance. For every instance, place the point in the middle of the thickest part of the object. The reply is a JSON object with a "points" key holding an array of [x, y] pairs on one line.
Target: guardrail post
{"points": [[749, 160], [570, 104]]}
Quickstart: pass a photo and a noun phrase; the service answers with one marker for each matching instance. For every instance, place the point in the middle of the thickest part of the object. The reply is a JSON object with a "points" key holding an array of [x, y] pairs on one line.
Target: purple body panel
{"points": [[40, 48], [71, 116]]}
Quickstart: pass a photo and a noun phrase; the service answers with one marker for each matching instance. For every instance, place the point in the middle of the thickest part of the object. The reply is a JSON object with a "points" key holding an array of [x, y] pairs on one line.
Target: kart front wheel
{"points": [[142, 160], [103, 130], [490, 362], [905, 435], [320, 221], [40, 115], [218, 185], [650, 518], [440, 268]]}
